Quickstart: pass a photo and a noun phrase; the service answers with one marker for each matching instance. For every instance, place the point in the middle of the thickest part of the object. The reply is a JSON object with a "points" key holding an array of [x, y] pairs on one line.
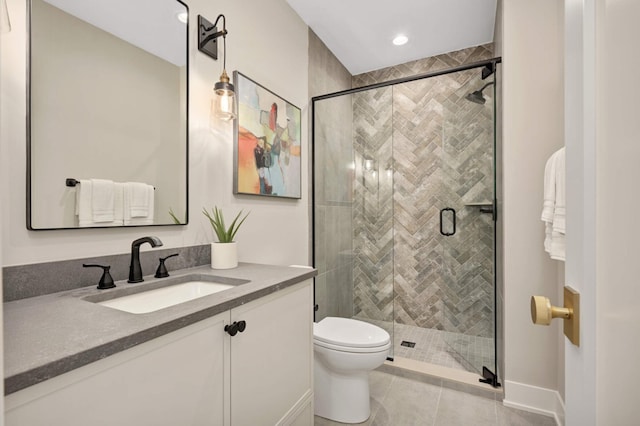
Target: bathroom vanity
{"points": [[70, 360]]}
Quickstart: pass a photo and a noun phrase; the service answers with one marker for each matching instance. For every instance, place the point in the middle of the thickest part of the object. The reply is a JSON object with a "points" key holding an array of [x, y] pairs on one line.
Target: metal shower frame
{"points": [[489, 67]]}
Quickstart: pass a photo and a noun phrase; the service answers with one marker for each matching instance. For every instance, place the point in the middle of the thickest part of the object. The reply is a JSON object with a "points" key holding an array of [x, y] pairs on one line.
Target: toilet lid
{"points": [[348, 332]]}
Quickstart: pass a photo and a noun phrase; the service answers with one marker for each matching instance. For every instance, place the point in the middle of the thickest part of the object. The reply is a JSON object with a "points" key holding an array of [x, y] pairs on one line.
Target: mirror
{"points": [[107, 118]]}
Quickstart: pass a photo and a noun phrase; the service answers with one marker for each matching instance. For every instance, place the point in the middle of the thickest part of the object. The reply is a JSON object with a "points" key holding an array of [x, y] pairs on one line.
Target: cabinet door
{"points": [[271, 361], [176, 379]]}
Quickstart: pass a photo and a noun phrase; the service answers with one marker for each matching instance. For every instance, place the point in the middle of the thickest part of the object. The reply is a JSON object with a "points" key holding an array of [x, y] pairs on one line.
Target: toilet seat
{"points": [[340, 348], [349, 335]]}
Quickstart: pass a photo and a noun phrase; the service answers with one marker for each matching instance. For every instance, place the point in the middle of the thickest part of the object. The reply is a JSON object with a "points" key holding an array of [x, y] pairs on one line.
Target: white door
{"points": [[602, 129]]}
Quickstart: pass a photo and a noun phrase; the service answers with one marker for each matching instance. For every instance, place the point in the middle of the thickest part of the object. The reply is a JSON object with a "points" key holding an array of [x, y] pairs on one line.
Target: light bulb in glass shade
{"points": [[222, 104]]}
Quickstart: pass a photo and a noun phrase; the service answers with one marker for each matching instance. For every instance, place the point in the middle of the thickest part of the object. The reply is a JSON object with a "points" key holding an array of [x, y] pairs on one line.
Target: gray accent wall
{"points": [[420, 147], [373, 208], [332, 152]]}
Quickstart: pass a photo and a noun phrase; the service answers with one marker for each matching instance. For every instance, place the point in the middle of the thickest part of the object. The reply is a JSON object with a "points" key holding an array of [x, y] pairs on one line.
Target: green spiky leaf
{"points": [[174, 217], [216, 218]]}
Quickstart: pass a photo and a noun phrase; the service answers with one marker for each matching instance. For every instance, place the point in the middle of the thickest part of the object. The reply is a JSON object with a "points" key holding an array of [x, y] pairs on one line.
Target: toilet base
{"points": [[341, 397]]}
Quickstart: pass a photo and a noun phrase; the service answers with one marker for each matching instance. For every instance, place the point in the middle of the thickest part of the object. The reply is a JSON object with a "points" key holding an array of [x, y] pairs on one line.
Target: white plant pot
{"points": [[224, 255]]}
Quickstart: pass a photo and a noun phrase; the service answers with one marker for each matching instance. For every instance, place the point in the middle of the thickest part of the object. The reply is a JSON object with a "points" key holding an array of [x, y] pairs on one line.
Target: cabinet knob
{"points": [[231, 329], [237, 326]]}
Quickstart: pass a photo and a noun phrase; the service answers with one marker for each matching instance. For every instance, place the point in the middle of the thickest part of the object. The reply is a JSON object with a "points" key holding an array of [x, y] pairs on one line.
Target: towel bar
{"points": [[71, 182]]}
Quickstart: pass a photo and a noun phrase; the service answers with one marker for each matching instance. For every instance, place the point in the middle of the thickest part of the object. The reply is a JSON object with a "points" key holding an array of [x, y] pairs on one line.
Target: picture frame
{"points": [[267, 142]]}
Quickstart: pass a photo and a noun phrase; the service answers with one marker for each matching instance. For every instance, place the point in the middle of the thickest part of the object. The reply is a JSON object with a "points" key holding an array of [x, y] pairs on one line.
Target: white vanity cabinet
{"points": [[198, 375], [272, 360]]}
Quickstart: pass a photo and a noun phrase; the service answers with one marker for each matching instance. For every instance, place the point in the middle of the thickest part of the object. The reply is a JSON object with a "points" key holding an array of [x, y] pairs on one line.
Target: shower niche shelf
{"points": [[483, 206]]}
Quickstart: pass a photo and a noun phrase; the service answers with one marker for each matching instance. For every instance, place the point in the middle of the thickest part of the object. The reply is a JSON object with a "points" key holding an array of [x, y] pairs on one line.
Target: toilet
{"points": [[345, 351]]}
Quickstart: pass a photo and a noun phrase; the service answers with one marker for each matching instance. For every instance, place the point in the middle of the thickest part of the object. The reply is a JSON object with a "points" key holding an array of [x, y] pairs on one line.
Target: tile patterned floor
{"points": [[452, 350], [400, 401]]}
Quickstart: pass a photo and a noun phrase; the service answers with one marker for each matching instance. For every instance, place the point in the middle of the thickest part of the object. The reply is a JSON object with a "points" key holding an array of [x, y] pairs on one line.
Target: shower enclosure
{"points": [[404, 213]]}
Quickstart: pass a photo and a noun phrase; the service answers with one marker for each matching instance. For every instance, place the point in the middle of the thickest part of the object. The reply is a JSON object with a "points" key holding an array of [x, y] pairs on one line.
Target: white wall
{"points": [[533, 130], [267, 42], [617, 144]]}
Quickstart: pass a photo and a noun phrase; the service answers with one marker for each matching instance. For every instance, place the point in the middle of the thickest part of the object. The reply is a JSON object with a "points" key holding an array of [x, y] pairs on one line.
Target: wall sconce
{"points": [[222, 104]]}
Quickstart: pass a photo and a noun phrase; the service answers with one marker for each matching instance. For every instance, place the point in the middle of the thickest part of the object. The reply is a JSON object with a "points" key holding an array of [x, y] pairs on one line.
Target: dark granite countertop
{"points": [[49, 335]]}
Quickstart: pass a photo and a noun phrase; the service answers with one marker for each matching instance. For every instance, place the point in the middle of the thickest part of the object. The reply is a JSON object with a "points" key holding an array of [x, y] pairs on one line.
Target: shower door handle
{"points": [[453, 221]]}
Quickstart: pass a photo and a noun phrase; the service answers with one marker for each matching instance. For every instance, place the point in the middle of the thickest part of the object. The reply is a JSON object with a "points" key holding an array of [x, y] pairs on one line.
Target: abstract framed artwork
{"points": [[267, 152]]}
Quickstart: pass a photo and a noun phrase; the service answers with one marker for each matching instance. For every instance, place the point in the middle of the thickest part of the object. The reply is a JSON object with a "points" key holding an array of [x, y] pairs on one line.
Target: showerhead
{"points": [[477, 97]]}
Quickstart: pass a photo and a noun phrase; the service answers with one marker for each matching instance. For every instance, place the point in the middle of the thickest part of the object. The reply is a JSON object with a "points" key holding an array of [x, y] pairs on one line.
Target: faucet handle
{"points": [[105, 281], [162, 272]]}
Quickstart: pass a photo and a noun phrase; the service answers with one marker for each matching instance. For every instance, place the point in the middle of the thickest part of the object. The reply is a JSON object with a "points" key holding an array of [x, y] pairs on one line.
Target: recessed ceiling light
{"points": [[182, 17], [400, 40]]}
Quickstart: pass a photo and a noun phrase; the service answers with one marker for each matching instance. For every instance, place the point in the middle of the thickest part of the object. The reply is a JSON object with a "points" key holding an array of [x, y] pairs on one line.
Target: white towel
{"points": [[138, 196], [118, 204], [83, 203], [560, 209], [84, 199], [142, 195], [553, 209], [102, 200], [549, 189]]}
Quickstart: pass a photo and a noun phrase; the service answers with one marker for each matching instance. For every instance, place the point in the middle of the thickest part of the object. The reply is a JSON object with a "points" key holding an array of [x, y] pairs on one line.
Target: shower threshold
{"points": [[438, 375]]}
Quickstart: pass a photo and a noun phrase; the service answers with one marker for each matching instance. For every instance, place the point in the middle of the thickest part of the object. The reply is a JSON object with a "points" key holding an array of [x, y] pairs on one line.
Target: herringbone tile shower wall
{"points": [[420, 147]]}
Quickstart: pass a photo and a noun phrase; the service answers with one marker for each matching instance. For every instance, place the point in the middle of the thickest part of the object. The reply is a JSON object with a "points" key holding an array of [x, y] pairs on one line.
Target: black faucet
{"points": [[135, 270]]}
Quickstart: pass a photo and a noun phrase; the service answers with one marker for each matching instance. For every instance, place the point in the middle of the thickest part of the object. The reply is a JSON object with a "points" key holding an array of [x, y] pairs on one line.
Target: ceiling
{"points": [[151, 25], [360, 32]]}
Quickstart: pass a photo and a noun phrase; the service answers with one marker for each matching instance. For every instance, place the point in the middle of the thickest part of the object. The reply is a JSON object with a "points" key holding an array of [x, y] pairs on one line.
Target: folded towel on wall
{"points": [[102, 200], [118, 204], [553, 208], [549, 189], [83, 203], [560, 209], [138, 204], [139, 195], [85, 191]]}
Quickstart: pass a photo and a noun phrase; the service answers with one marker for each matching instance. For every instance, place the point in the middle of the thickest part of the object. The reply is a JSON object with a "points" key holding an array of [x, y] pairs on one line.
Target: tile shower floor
{"points": [[452, 350]]}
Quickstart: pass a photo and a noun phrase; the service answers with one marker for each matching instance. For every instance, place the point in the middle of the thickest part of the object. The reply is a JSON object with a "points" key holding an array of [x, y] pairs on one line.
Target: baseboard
{"points": [[534, 399], [301, 413]]}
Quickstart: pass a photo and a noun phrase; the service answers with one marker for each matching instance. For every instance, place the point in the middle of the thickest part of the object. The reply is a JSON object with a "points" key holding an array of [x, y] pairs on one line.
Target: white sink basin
{"points": [[153, 300]]}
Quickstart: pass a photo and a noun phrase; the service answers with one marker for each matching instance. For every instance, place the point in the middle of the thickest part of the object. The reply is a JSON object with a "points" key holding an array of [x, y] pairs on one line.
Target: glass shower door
{"points": [[353, 207], [403, 223], [467, 242], [373, 209]]}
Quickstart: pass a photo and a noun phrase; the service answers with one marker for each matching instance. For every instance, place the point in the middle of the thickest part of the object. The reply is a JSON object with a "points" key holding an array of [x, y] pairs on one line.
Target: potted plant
{"points": [[224, 253]]}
